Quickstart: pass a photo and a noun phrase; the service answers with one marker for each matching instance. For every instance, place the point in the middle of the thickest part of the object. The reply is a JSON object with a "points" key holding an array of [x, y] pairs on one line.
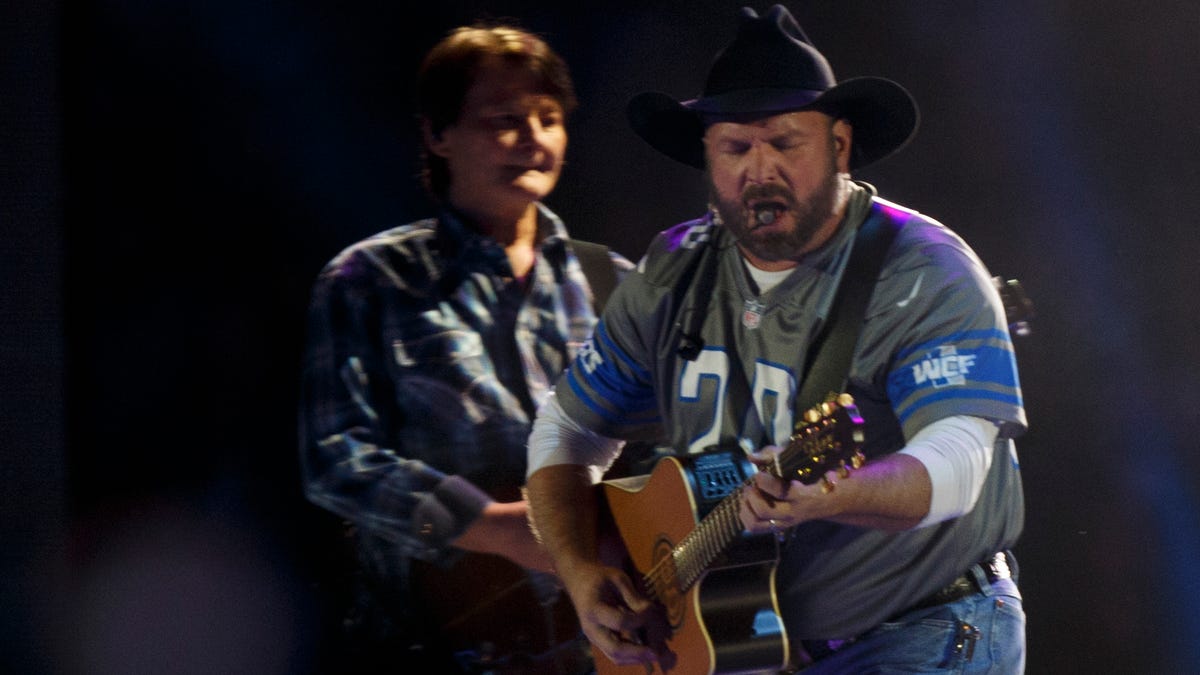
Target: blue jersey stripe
{"points": [[606, 389], [924, 379], [989, 364], [582, 395], [957, 338], [903, 413], [606, 413], [602, 336]]}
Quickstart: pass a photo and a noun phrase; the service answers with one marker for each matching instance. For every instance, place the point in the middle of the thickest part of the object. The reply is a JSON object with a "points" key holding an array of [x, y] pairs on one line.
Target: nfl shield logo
{"points": [[752, 314]]}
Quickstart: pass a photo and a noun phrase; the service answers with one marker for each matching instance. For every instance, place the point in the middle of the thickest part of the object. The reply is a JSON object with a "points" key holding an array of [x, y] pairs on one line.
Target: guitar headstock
{"points": [[1018, 308], [830, 436]]}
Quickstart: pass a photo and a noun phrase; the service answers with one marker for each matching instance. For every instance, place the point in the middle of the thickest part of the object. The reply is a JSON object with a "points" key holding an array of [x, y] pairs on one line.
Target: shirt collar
{"points": [[457, 236], [460, 242]]}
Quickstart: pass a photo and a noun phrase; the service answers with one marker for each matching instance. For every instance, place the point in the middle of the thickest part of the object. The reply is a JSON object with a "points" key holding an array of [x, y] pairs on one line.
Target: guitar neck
{"points": [[712, 537]]}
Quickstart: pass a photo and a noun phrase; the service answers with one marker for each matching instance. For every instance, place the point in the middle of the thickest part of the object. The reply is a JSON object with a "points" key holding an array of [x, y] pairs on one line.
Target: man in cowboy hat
{"points": [[722, 340]]}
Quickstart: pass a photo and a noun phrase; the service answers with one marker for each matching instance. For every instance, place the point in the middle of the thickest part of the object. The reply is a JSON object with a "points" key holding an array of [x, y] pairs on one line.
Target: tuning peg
{"points": [[827, 484], [858, 460], [812, 415], [843, 470]]}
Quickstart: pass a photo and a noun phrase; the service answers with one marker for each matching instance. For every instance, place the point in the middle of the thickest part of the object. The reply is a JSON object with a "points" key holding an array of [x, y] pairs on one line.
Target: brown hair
{"points": [[450, 68]]}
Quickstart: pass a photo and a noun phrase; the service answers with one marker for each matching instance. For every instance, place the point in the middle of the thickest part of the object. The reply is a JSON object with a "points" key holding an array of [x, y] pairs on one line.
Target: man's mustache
{"points": [[768, 192]]}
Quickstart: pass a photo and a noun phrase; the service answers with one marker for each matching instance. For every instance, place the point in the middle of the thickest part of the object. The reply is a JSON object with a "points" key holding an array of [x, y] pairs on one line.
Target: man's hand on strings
{"points": [[611, 611]]}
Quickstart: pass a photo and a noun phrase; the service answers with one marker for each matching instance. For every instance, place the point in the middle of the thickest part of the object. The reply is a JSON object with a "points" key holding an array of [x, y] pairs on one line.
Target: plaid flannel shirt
{"points": [[424, 365]]}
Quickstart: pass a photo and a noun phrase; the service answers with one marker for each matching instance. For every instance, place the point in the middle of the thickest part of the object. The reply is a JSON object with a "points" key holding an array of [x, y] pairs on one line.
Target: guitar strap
{"points": [[828, 364], [598, 268]]}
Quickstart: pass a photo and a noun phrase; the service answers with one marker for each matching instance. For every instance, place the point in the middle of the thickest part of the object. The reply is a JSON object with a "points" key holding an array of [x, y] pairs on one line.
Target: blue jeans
{"points": [[982, 633]]}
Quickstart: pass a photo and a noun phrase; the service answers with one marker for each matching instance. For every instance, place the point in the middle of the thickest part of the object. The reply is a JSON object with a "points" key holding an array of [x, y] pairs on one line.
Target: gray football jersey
{"points": [[934, 344]]}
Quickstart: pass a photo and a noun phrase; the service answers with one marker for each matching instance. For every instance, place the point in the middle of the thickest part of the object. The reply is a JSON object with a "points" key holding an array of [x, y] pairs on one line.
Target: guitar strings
{"points": [[688, 560], [699, 548]]}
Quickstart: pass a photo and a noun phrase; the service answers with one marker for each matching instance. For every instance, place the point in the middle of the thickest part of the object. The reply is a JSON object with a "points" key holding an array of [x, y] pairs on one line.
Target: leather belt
{"points": [[994, 569]]}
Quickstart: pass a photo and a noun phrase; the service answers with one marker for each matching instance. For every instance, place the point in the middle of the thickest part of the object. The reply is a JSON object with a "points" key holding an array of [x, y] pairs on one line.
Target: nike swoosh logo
{"points": [[915, 289]]}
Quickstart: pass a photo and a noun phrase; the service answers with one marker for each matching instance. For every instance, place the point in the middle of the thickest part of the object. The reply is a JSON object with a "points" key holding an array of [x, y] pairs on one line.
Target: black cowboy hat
{"points": [[771, 67]]}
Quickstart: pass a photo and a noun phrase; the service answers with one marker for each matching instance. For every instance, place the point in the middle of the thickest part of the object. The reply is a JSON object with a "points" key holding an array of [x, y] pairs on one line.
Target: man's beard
{"points": [[777, 245]]}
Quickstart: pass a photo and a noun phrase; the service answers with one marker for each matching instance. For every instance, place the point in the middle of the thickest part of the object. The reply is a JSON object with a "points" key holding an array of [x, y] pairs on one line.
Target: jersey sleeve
{"points": [[943, 324], [608, 387]]}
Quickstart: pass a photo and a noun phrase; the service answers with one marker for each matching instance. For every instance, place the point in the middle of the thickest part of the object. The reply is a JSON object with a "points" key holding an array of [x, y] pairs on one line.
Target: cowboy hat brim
{"points": [[882, 114]]}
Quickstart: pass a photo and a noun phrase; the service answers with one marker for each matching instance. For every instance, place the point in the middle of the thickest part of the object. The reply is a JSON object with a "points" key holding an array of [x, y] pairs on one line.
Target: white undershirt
{"points": [[955, 451], [558, 439], [763, 279]]}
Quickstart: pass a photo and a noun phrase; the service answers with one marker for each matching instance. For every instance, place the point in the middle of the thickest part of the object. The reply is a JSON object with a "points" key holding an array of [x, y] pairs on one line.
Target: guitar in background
{"points": [[1018, 308], [499, 616]]}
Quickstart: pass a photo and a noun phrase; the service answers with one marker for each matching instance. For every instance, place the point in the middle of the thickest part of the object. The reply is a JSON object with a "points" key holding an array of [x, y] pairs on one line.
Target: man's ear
{"points": [[434, 141], [843, 137]]}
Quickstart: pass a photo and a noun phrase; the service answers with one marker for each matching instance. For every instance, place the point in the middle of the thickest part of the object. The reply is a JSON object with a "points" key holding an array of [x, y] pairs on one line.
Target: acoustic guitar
{"points": [[714, 585]]}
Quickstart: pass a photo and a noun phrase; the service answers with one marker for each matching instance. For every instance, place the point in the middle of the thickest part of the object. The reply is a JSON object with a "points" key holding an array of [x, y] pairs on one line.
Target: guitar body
{"points": [[506, 618], [728, 620]]}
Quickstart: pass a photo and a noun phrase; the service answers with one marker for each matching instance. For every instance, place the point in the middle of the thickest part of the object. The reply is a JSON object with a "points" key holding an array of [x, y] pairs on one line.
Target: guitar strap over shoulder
{"points": [[598, 268], [828, 363]]}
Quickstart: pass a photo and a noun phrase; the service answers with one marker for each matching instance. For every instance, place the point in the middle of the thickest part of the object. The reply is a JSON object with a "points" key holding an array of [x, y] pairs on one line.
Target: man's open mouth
{"points": [[766, 212]]}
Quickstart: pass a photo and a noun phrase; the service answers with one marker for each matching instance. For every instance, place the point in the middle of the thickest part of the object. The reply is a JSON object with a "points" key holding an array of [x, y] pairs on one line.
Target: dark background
{"points": [[175, 173]]}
